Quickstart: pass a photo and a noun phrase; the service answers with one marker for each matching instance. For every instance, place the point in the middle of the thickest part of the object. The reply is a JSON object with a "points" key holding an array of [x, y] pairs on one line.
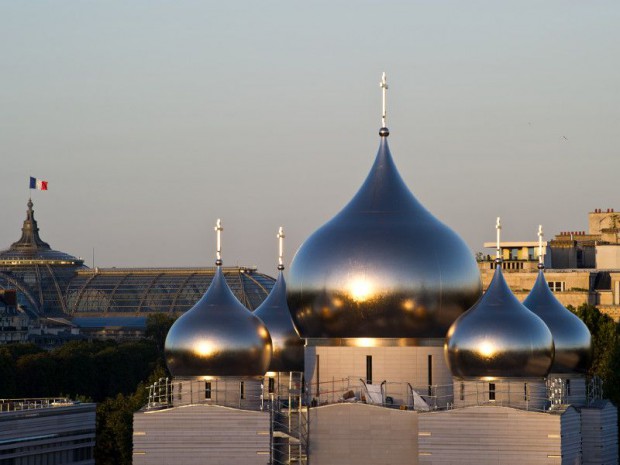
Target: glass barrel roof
{"points": [[168, 290], [50, 282]]}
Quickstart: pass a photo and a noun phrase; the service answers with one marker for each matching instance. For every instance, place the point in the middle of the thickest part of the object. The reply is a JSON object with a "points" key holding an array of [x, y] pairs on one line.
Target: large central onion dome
{"points": [[573, 342], [218, 336], [499, 338], [384, 267]]}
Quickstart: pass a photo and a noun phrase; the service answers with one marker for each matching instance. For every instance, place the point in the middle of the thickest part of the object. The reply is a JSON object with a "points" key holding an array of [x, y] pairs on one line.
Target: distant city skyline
{"points": [[150, 120]]}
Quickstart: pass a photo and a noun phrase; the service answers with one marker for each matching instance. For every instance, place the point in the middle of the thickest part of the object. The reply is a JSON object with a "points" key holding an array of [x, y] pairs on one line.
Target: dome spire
{"points": [[218, 233], [30, 239], [498, 250], [384, 131], [280, 237], [541, 264]]}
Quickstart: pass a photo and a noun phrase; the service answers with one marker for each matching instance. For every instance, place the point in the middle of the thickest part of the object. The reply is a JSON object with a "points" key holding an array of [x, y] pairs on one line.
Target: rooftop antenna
{"points": [[384, 131], [280, 237], [498, 250], [218, 253], [541, 264]]}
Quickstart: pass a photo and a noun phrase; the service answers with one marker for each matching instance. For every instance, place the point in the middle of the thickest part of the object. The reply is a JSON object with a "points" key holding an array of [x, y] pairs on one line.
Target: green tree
{"points": [[157, 327], [7, 374], [37, 375], [605, 349], [115, 423]]}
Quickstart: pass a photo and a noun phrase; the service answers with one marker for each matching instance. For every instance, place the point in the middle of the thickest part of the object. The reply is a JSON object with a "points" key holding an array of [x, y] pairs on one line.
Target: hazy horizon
{"points": [[150, 120]]}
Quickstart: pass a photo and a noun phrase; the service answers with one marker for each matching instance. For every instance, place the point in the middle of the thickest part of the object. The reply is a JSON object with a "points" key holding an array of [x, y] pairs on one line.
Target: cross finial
{"points": [[280, 237], [541, 264], [498, 250], [384, 87], [218, 253]]}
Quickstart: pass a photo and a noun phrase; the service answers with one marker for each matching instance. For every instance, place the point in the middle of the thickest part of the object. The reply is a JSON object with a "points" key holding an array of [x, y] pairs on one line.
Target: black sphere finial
{"points": [[384, 132]]}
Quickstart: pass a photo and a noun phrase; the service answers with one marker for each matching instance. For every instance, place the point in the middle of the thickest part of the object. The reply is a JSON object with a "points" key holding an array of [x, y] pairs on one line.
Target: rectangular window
{"points": [[272, 385], [491, 391], [207, 389], [242, 390], [568, 387], [180, 394], [462, 396], [430, 374], [557, 286], [369, 369], [317, 376], [524, 391]]}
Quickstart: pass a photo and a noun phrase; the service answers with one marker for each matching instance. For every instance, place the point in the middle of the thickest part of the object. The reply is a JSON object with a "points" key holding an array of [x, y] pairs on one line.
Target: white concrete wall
{"points": [[488, 435], [397, 365], [525, 394], [599, 426], [201, 435], [224, 391], [359, 434]]}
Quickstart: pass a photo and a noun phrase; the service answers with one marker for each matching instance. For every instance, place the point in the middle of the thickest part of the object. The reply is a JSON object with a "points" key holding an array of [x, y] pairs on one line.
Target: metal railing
{"points": [[14, 405], [243, 394], [393, 394], [525, 395]]}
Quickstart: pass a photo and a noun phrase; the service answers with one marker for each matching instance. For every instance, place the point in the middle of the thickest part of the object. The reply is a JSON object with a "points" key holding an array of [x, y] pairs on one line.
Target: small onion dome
{"points": [[573, 342], [499, 338], [288, 347], [218, 337], [382, 267]]}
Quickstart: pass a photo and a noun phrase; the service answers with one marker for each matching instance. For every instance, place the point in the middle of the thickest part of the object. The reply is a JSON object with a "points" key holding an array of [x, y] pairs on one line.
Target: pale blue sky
{"points": [[150, 119]]}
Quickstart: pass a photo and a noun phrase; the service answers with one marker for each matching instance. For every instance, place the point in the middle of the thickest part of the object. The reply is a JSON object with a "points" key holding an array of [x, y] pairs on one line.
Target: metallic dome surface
{"points": [[384, 267], [218, 337], [288, 347], [499, 338], [572, 338]]}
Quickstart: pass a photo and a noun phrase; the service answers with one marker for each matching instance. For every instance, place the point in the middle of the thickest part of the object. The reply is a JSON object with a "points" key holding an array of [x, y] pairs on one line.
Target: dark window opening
{"points": [[207, 389], [491, 391], [272, 385], [369, 369], [430, 375], [317, 376], [242, 390]]}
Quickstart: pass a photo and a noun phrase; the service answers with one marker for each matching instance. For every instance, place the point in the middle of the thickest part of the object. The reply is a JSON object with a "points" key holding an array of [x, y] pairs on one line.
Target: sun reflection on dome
{"points": [[361, 289], [204, 348], [487, 348]]}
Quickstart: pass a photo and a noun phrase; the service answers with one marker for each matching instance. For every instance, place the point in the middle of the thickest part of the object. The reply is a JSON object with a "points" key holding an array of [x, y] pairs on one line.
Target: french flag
{"points": [[38, 184]]}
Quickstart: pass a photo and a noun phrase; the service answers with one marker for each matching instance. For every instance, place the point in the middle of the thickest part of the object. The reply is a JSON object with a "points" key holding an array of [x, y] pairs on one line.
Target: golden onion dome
{"points": [[382, 267], [573, 341], [288, 347], [218, 337], [499, 338]]}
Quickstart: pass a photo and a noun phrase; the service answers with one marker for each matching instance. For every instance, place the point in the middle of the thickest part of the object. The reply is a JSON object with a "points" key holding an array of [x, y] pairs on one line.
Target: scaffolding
{"points": [[289, 421]]}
